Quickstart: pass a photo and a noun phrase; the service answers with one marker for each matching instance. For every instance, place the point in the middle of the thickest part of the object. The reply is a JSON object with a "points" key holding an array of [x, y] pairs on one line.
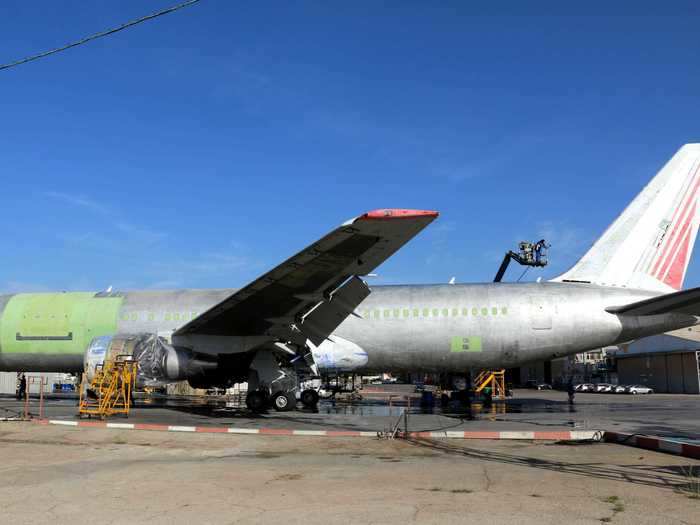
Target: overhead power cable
{"points": [[99, 35]]}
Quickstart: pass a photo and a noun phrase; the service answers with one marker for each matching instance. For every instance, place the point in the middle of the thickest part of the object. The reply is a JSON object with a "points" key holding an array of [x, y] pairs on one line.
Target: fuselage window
{"points": [[426, 312], [484, 311], [475, 311], [465, 312], [436, 312], [416, 312], [504, 310], [406, 312], [494, 311]]}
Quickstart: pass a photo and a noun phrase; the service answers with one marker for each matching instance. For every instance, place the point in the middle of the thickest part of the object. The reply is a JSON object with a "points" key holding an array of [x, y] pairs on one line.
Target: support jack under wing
{"points": [[310, 294], [683, 302]]}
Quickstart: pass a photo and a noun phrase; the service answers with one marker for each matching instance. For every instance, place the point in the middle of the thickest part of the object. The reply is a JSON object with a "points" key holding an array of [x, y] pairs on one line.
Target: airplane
{"points": [[628, 285]]}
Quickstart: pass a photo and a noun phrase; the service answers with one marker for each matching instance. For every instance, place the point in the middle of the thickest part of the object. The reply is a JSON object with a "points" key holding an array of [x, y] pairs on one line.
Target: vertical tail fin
{"points": [[649, 245]]}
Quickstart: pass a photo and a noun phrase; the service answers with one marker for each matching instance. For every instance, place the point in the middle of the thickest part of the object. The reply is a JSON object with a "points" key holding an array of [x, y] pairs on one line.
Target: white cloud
{"points": [[80, 201]]}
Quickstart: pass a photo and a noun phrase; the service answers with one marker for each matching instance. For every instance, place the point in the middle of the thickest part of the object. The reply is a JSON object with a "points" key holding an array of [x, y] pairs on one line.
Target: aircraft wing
{"points": [[311, 293], [683, 302]]}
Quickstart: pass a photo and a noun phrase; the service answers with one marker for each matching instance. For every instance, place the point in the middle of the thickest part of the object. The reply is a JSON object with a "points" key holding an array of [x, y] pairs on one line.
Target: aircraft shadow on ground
{"points": [[666, 476], [306, 417]]}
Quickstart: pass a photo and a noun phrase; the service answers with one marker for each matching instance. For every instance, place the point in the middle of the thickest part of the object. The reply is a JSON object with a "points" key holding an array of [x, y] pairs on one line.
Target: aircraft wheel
{"points": [[256, 401], [283, 401], [309, 398]]}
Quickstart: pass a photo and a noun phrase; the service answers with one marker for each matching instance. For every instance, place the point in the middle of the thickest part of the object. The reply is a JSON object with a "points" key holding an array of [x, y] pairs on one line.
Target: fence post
{"points": [[26, 398], [405, 417], [41, 395]]}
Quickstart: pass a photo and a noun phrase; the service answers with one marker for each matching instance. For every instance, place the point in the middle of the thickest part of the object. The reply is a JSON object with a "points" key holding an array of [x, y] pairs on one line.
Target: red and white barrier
{"points": [[550, 436], [654, 443]]}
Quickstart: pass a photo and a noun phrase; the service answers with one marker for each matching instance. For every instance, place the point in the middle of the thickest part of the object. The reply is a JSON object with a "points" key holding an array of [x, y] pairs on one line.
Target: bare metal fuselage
{"points": [[409, 327], [456, 327]]}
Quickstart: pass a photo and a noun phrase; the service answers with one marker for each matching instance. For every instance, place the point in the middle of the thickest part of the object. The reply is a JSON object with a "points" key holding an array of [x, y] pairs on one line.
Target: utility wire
{"points": [[99, 35]]}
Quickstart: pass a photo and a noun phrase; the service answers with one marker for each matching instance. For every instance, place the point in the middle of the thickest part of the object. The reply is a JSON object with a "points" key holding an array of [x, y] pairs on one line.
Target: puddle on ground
{"points": [[474, 410], [368, 407]]}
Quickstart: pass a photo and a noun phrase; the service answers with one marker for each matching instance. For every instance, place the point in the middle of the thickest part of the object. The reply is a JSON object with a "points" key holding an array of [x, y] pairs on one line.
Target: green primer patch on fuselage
{"points": [[465, 344], [56, 323]]}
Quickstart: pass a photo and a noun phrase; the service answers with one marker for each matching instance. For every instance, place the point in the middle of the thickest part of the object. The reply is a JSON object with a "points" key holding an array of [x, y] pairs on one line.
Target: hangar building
{"points": [[667, 362]]}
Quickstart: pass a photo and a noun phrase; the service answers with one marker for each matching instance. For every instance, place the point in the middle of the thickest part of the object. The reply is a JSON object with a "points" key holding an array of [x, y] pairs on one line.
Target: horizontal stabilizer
{"points": [[683, 302]]}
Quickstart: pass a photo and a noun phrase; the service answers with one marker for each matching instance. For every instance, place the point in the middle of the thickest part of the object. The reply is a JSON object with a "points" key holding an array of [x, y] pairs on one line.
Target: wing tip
{"points": [[397, 213]]}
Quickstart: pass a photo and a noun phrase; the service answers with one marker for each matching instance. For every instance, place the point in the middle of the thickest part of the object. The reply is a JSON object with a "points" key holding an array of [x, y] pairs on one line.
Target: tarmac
{"points": [[666, 415], [55, 474]]}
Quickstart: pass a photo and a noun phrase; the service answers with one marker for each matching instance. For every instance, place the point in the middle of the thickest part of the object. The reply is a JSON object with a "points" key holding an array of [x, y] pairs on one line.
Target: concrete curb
{"points": [[548, 436], [653, 443]]}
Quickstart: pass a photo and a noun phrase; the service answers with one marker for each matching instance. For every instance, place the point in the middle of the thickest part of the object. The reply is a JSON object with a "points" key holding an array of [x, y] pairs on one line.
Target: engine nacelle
{"points": [[158, 362], [339, 355]]}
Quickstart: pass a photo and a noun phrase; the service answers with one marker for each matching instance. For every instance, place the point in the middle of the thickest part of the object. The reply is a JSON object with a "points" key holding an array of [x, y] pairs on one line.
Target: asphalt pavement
{"points": [[667, 415]]}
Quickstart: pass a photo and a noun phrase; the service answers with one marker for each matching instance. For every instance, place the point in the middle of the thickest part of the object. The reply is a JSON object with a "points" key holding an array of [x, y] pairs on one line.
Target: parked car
{"points": [[584, 387], [543, 386], [621, 389], [640, 389], [603, 388]]}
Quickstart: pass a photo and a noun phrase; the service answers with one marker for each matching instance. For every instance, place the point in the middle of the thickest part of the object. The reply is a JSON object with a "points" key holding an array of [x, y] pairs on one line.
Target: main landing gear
{"points": [[284, 401], [260, 400], [309, 398], [256, 400], [271, 385]]}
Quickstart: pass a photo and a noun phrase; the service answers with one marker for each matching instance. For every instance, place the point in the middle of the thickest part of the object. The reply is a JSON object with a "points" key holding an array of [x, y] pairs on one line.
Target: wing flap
{"points": [[328, 315], [683, 302]]}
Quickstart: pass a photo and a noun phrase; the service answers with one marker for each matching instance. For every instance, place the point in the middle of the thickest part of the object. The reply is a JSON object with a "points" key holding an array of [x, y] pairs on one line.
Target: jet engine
{"points": [[158, 362]]}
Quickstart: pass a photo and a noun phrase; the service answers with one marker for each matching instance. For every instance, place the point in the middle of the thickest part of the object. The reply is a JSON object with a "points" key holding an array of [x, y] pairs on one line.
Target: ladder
{"points": [[109, 391], [495, 378]]}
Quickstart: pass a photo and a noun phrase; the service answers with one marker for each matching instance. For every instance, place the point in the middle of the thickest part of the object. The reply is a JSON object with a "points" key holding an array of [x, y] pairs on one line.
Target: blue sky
{"points": [[202, 148]]}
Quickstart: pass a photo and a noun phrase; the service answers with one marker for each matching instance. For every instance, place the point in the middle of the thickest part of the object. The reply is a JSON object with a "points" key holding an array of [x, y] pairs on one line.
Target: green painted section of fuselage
{"points": [[56, 323]]}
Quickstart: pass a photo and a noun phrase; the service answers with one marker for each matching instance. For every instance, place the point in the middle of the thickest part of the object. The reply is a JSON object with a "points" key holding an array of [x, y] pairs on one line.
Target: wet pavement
{"points": [[528, 410]]}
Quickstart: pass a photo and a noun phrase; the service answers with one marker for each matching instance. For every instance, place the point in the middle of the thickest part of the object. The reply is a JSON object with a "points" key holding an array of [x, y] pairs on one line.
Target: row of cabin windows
{"points": [[405, 313], [152, 316]]}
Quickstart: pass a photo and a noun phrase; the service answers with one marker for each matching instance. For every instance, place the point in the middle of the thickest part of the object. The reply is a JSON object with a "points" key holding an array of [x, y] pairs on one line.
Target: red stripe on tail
{"points": [[675, 274], [667, 251]]}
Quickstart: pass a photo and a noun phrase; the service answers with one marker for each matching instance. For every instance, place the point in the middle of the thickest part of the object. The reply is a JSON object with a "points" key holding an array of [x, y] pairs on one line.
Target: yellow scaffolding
{"points": [[495, 378], [109, 391]]}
